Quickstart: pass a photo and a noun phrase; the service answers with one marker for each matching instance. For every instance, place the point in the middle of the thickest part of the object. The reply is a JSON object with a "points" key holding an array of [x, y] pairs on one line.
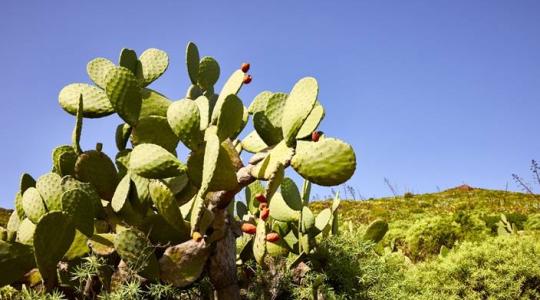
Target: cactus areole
{"points": [[121, 207]]}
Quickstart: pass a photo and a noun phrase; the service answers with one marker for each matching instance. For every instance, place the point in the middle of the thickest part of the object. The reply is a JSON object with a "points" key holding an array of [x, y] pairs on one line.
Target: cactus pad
{"points": [[136, 250], [124, 94], [281, 154], [80, 208], [78, 248], [208, 72], [96, 168], [326, 162], [128, 59], [97, 69], [15, 260], [153, 161], [154, 130], [299, 104], [230, 118], [25, 232], [121, 194], [19, 206], [153, 104], [96, 103], [166, 205], [323, 219], [102, 244], [259, 243], [52, 238], [33, 205], [192, 62], [154, 63], [290, 192], [312, 122], [181, 265], [376, 231], [259, 102], [231, 87], [253, 143], [123, 131], [50, 189], [185, 120], [280, 209], [26, 181], [64, 158]]}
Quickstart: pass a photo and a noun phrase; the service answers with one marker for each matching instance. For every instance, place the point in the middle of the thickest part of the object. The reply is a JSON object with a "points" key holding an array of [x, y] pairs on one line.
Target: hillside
{"points": [[4, 216]]}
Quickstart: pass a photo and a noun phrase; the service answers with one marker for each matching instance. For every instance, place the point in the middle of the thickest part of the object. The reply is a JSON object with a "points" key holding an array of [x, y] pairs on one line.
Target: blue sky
{"points": [[431, 94]]}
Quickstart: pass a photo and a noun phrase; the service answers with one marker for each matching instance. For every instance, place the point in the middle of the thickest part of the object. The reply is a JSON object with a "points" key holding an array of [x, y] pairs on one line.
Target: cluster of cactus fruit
{"points": [[167, 220]]}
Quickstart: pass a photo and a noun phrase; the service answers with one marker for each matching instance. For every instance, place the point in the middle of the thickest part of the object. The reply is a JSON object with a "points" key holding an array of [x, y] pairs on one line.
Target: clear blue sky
{"points": [[430, 93]]}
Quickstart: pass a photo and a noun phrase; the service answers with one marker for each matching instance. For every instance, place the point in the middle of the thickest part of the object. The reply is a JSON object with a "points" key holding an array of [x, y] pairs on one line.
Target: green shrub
{"points": [[533, 222], [426, 236], [498, 268]]}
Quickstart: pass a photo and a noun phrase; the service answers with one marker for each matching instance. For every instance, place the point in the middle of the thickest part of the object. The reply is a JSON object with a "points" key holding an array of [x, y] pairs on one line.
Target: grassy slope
{"points": [[446, 202], [4, 216]]}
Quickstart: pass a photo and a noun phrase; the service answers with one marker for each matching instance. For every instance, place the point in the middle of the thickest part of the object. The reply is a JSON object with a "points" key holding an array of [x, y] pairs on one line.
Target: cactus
{"points": [[376, 231], [148, 197]]}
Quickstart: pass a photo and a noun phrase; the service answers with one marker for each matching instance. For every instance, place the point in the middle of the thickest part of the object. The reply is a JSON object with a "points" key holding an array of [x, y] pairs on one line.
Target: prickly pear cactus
{"points": [[165, 213]]}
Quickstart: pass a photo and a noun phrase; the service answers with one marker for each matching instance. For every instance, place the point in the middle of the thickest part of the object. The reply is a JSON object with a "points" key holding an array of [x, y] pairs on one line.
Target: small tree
{"points": [[121, 210]]}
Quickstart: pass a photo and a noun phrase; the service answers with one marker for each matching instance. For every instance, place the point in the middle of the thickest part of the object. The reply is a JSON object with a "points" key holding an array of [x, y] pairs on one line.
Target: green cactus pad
{"points": [[123, 131], [244, 246], [306, 191], [78, 205], [13, 222], [281, 154], [78, 248], [15, 260], [259, 102], [230, 118], [153, 161], [69, 183], [77, 130], [252, 190], [102, 244], [122, 162], [64, 158], [153, 63], [323, 219], [153, 104], [291, 240], [208, 72], [241, 209], [26, 182], [121, 194], [290, 192], [300, 102], [205, 110], [185, 120], [124, 94], [376, 231], [96, 168], [50, 189], [154, 130], [200, 216], [33, 204], [308, 220], [136, 250], [19, 206], [274, 108], [183, 264], [281, 227], [281, 211], [268, 133], [327, 162], [162, 233], [192, 62], [312, 122], [259, 243], [52, 238], [212, 168], [25, 232], [97, 69], [165, 203], [177, 184], [231, 87], [128, 59], [142, 192], [274, 181], [193, 92], [278, 248], [253, 143], [96, 103]]}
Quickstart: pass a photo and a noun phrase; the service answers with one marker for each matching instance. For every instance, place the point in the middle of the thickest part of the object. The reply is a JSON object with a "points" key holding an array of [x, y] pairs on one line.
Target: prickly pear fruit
{"points": [[263, 206], [264, 214], [247, 79], [261, 198], [248, 228], [197, 236], [245, 67], [315, 135], [272, 237]]}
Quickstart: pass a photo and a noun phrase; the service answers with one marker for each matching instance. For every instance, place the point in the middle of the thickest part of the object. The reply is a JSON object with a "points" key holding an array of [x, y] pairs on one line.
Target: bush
{"points": [[499, 268], [426, 236], [533, 222]]}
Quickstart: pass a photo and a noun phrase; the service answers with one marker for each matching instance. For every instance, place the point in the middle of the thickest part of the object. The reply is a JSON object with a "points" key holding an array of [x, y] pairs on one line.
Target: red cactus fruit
{"points": [[315, 135], [264, 214], [261, 198], [248, 228], [247, 79], [245, 67], [263, 206], [272, 237]]}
